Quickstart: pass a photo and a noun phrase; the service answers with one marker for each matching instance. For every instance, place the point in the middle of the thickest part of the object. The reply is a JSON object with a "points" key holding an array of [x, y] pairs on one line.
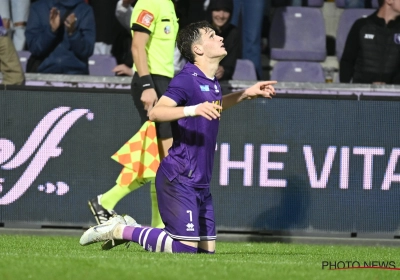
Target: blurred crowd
{"points": [[61, 35]]}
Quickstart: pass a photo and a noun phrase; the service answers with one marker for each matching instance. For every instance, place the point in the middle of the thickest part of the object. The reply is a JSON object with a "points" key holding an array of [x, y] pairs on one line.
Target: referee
{"points": [[154, 28]]}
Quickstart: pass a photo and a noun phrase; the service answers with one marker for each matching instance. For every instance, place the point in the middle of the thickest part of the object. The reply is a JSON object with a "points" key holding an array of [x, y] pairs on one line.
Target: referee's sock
{"points": [[156, 220], [109, 199]]}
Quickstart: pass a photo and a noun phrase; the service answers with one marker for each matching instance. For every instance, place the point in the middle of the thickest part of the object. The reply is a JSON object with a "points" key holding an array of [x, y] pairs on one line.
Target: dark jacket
{"points": [[231, 36], [60, 53], [372, 52]]}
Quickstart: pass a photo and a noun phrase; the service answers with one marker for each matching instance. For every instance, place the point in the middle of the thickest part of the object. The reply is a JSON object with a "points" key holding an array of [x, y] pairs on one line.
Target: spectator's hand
{"points": [[208, 110], [220, 72], [70, 23], [54, 19], [260, 89], [122, 69], [378, 83], [149, 99]]}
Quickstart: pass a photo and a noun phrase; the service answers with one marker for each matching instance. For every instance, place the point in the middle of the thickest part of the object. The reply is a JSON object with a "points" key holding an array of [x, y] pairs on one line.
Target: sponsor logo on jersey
{"points": [[145, 18], [369, 36], [204, 88], [190, 227]]}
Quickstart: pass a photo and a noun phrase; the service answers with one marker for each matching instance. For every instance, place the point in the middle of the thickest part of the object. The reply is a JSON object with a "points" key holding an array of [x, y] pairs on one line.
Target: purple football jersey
{"points": [[190, 159]]}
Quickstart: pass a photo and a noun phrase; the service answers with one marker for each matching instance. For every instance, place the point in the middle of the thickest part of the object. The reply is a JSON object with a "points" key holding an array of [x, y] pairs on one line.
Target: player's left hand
{"points": [[260, 89]]}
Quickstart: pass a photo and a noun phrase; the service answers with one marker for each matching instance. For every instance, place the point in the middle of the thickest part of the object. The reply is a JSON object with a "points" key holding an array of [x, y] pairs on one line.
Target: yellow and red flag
{"points": [[139, 156]]}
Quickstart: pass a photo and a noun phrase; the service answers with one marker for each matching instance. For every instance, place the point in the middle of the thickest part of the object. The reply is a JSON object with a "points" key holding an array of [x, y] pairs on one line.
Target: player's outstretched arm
{"points": [[260, 89], [166, 110]]}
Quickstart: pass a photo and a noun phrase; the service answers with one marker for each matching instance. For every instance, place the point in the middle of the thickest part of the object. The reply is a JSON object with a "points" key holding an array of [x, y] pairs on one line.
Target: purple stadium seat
{"points": [[298, 71], [348, 17], [310, 3], [102, 65], [298, 33], [23, 58], [375, 4], [244, 71]]}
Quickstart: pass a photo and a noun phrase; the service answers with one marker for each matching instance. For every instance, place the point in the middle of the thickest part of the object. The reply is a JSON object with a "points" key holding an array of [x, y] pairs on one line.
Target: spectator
{"points": [[371, 53], [10, 66], [121, 48], [15, 15], [63, 41], [219, 15], [251, 13], [123, 12], [191, 11], [107, 25]]}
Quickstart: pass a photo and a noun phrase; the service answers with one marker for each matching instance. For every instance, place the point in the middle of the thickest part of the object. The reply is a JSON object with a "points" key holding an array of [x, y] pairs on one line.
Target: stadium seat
{"points": [[298, 33], [348, 17], [244, 70], [23, 58], [298, 71], [102, 65], [309, 3]]}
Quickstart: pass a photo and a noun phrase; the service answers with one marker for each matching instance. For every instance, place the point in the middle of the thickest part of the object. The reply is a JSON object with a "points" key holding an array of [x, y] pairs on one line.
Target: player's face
{"points": [[213, 45], [220, 18]]}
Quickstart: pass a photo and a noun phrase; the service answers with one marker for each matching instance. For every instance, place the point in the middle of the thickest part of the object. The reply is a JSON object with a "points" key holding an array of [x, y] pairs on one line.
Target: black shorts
{"points": [[160, 86]]}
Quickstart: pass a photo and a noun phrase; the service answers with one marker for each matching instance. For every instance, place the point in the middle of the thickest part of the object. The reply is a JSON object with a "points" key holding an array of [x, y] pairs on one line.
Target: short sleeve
{"points": [[144, 14], [178, 90]]}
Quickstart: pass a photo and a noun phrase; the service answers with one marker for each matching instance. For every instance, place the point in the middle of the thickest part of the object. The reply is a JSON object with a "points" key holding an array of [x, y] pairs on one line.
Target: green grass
{"points": [[47, 257]]}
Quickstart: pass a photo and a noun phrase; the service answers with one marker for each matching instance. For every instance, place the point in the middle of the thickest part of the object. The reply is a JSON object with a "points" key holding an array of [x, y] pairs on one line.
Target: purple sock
{"points": [[155, 240], [199, 250]]}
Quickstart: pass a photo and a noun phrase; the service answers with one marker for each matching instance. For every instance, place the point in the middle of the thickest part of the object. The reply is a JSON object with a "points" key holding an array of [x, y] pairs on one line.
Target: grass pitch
{"points": [[47, 257]]}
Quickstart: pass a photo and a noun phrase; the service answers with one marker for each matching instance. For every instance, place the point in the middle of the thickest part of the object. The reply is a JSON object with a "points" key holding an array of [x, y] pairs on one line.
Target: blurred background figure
{"points": [[189, 11], [219, 15], [249, 15], [9, 60], [371, 54], [60, 36], [122, 47], [107, 26], [15, 15]]}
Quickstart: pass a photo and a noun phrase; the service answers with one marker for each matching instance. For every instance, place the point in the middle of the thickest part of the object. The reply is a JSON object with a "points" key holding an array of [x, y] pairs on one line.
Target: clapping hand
{"points": [[54, 19], [70, 23]]}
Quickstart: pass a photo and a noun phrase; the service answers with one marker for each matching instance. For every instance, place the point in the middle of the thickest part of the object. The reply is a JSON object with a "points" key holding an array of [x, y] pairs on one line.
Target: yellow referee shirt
{"points": [[159, 19]]}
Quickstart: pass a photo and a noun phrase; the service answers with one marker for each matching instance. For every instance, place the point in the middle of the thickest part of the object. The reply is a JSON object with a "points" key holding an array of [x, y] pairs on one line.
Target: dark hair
{"points": [[217, 5], [188, 35], [381, 2]]}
